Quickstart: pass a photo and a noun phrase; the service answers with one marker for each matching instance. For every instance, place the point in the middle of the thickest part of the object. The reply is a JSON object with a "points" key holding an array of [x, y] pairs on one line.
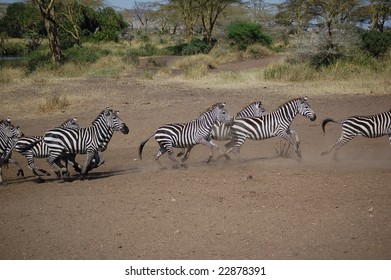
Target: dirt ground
{"points": [[257, 206]]}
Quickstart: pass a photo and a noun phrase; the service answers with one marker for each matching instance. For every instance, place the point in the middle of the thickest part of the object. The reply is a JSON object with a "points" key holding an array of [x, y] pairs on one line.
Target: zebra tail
{"points": [[140, 149], [325, 121]]}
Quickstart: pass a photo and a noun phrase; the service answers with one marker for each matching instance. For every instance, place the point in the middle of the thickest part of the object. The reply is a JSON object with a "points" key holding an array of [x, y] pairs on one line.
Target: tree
{"points": [[210, 11], [333, 15], [48, 14], [19, 19], [294, 12], [143, 12], [189, 11], [375, 13]]}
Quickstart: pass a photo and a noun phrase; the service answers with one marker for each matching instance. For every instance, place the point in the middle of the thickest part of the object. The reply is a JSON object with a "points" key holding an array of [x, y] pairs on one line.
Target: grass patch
{"points": [[54, 102]]}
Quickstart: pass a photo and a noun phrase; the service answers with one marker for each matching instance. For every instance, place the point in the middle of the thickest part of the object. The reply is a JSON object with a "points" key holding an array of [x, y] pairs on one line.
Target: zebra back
{"points": [[95, 137], [189, 134], [222, 131]]}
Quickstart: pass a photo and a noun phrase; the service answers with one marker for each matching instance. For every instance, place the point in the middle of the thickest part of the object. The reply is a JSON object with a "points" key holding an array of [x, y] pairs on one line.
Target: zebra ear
{"points": [[303, 99], [222, 105]]}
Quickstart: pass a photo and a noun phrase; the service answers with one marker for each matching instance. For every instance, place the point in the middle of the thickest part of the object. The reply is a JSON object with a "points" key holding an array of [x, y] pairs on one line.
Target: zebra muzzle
{"points": [[313, 118], [125, 129]]}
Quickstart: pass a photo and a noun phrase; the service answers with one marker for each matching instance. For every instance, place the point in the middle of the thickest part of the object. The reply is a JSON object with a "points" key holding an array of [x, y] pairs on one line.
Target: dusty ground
{"points": [[253, 207]]}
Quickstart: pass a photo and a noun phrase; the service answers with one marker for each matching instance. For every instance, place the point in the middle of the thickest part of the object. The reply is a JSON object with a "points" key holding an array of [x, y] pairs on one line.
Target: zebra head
{"points": [[11, 131], [71, 123], [222, 114], [114, 122], [305, 110]]}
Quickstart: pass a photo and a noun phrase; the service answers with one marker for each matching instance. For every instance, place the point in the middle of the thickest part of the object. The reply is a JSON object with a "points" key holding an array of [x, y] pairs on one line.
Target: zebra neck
{"points": [[287, 112], [206, 121]]}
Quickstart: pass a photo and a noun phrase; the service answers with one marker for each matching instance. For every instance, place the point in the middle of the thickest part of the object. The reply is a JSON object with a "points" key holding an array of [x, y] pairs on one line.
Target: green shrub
{"points": [[243, 34], [376, 43], [13, 49], [38, 59], [84, 54], [196, 46]]}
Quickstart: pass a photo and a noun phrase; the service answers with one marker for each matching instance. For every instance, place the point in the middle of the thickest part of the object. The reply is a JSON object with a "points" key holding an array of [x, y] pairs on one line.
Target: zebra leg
{"points": [[287, 136], [296, 143], [161, 151], [182, 152], [20, 170], [187, 154], [55, 163], [34, 168], [345, 138], [90, 157]]}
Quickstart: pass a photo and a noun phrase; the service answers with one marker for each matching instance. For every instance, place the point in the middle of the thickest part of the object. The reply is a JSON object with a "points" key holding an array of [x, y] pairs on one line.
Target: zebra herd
{"points": [[61, 144]]}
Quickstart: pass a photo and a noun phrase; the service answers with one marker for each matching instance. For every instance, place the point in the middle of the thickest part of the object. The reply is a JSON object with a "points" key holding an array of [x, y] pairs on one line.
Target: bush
{"points": [[13, 49], [196, 46], [376, 43], [38, 59], [243, 34], [84, 54]]}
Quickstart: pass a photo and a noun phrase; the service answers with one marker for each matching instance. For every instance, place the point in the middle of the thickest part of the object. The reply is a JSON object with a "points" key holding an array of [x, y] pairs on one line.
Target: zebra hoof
{"points": [[20, 173], [39, 180]]}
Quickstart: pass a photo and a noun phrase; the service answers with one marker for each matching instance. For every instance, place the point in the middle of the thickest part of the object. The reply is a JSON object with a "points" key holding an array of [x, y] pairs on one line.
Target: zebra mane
{"points": [[302, 99], [211, 108]]}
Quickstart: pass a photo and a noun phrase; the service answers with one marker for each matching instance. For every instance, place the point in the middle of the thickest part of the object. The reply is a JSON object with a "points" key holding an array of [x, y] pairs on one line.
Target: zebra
{"points": [[34, 147], [88, 140], [9, 135], [367, 126], [273, 124], [186, 135], [222, 131]]}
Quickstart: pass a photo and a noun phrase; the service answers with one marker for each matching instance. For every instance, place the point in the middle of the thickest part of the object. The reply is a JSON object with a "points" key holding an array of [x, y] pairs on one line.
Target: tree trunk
{"points": [[48, 14]]}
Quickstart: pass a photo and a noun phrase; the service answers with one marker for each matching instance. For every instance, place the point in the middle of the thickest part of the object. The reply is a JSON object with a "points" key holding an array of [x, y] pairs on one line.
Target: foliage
{"points": [[196, 46], [376, 43], [85, 54], [21, 18], [243, 34], [38, 59], [13, 49]]}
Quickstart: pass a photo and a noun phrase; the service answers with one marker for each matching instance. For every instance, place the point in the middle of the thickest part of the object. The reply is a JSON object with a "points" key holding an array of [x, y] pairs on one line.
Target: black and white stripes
{"points": [[270, 125], [367, 126], [89, 140], [34, 147], [186, 135]]}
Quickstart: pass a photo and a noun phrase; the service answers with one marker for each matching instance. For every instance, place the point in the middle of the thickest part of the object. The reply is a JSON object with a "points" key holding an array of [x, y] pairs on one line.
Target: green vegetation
{"points": [[242, 34], [84, 39]]}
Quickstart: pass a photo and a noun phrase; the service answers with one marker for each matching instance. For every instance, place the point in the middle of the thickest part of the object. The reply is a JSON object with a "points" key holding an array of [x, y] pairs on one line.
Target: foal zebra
{"points": [[270, 125], [186, 135], [34, 147], [367, 126], [222, 131], [9, 135], [89, 140]]}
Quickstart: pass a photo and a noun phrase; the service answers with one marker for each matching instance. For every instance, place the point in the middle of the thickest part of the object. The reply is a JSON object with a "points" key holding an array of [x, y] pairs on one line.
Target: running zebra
{"points": [[9, 135], [222, 131], [186, 135], [89, 140], [367, 126], [34, 147], [270, 125]]}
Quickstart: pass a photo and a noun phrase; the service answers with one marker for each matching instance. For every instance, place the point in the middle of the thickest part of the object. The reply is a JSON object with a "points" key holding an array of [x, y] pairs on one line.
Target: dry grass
{"points": [[54, 101]]}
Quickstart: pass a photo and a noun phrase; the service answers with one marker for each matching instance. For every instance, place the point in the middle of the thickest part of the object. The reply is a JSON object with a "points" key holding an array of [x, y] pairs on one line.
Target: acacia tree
{"points": [[189, 11], [210, 11], [332, 14], [48, 14], [294, 12]]}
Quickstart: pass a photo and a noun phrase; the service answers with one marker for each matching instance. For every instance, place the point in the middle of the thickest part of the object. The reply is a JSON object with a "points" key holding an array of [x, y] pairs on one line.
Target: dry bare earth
{"points": [[254, 207]]}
